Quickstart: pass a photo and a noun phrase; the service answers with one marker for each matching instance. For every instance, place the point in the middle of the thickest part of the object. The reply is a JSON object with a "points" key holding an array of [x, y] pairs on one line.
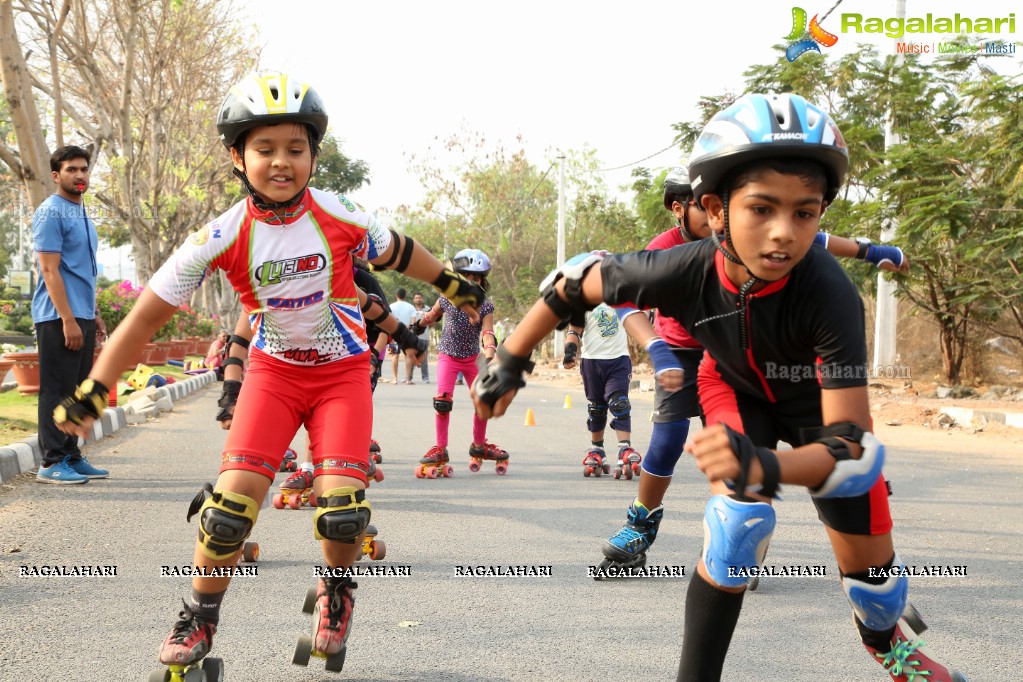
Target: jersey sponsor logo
{"points": [[200, 236], [275, 272], [294, 303], [307, 356], [347, 203]]}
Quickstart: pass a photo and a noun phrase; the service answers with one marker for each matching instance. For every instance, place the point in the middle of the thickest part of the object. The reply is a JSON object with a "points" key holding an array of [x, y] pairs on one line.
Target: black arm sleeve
{"points": [[660, 279]]}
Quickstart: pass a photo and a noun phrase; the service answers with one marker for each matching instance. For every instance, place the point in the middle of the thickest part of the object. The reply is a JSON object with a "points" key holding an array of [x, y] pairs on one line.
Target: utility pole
{"points": [[886, 315], [559, 336]]}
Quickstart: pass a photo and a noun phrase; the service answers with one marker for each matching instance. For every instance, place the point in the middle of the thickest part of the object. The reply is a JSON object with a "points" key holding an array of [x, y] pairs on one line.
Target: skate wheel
{"points": [[295, 502], [278, 501], [336, 662], [194, 675], [618, 473], [913, 619], [309, 603], [161, 675], [213, 668], [607, 468], [474, 466], [754, 583], [419, 472], [636, 469], [587, 471], [312, 499], [501, 469], [377, 550], [598, 471], [448, 471], [378, 475], [431, 472], [250, 553], [377, 458], [628, 473], [303, 649]]}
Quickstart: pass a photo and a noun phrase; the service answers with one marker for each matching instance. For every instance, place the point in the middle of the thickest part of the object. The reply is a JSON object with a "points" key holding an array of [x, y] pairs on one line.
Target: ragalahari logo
{"points": [[808, 36]]}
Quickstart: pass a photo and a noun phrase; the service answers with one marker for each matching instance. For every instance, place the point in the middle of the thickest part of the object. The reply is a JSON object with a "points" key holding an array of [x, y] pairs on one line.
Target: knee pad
{"points": [[735, 537], [879, 607], [621, 411], [225, 521], [442, 403], [597, 417], [341, 514], [666, 443], [854, 477]]}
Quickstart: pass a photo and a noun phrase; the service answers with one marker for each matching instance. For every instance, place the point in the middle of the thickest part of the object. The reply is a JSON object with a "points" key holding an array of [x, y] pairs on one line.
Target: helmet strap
{"points": [[734, 257]]}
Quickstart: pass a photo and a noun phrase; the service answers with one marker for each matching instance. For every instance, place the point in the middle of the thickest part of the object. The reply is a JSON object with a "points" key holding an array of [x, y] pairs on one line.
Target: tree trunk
{"points": [[17, 82]]}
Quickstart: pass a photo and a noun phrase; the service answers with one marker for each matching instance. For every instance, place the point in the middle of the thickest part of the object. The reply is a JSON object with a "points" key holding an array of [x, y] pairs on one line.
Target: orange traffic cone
{"points": [[568, 401], [112, 397], [530, 419]]}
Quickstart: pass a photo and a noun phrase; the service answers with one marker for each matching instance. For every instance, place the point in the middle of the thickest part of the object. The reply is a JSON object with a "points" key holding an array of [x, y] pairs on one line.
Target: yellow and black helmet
{"points": [[270, 97]]}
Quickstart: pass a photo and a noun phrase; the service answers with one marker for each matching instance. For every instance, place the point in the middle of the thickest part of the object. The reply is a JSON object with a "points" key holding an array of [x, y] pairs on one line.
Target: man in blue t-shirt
{"points": [[64, 310]]}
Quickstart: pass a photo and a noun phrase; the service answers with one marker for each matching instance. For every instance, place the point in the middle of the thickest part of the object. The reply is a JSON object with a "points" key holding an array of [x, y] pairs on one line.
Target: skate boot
{"points": [[374, 451], [331, 603], [189, 641], [290, 461], [434, 463], [908, 661], [594, 464], [296, 491], [488, 451], [628, 463], [627, 548], [375, 473]]}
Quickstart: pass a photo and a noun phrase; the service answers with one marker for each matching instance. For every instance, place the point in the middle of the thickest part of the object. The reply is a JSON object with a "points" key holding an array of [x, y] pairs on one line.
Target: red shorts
{"points": [[333, 402], [767, 423]]}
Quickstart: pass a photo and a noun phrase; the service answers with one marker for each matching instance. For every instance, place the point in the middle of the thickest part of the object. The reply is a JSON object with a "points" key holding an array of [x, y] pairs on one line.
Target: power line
{"points": [[645, 158]]}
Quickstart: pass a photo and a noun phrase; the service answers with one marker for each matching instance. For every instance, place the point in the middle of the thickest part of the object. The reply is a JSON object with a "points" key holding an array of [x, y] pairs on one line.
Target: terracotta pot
{"points": [[26, 371], [198, 346], [179, 350], [159, 353], [5, 367]]}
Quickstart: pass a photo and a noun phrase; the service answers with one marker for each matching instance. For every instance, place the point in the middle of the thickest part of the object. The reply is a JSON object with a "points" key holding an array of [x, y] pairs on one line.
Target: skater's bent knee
{"points": [[880, 596], [225, 521], [342, 514], [736, 535]]}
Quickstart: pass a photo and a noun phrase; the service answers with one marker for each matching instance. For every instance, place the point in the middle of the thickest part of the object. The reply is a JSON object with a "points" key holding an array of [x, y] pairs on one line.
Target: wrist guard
{"points": [[501, 376], [89, 400], [571, 350], [879, 254], [458, 289], [662, 357], [417, 328], [746, 451], [228, 399]]}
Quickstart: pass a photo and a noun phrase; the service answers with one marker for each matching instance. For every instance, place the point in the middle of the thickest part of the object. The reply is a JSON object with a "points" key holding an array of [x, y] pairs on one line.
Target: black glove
{"points": [[459, 290], [417, 328], [571, 350], [228, 399], [89, 400], [406, 339], [500, 376]]}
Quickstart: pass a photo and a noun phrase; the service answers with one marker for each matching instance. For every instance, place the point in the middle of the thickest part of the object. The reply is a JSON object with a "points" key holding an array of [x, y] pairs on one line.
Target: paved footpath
{"points": [[951, 509]]}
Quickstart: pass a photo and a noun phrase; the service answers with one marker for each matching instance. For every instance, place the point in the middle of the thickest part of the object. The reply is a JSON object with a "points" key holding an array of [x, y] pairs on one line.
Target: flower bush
{"points": [[115, 302], [11, 348]]}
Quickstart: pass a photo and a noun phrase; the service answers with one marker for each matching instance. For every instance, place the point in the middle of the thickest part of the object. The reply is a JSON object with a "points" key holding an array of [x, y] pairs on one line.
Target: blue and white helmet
{"points": [[765, 126], [471, 261]]}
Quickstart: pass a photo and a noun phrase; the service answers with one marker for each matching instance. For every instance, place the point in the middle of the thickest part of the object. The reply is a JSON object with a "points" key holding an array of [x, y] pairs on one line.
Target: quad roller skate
{"points": [[435, 463], [296, 491], [594, 464], [331, 603], [627, 548], [290, 461], [628, 463], [488, 451], [374, 452], [184, 651], [908, 659], [371, 547]]}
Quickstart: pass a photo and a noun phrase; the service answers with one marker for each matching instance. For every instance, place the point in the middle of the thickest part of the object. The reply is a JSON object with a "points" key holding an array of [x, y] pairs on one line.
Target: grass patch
{"points": [[19, 414]]}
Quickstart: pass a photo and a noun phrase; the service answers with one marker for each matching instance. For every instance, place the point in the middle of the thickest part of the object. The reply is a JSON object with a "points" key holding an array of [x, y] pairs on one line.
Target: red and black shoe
{"points": [[908, 661], [190, 640], [332, 615], [488, 451], [435, 456], [300, 481], [374, 451]]}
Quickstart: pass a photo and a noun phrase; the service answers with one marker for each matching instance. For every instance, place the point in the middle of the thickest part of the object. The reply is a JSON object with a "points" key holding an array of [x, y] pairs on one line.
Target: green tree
{"points": [[335, 172]]}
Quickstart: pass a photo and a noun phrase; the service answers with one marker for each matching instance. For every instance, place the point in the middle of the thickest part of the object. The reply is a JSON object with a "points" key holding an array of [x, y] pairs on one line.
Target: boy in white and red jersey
{"points": [[286, 249]]}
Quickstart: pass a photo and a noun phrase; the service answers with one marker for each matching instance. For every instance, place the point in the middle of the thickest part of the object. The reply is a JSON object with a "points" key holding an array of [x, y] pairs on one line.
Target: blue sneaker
{"points": [[83, 467], [60, 473]]}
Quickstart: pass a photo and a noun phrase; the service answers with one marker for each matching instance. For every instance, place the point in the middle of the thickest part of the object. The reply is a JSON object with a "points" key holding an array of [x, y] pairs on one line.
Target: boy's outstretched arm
{"points": [[498, 382], [883, 256], [406, 256]]}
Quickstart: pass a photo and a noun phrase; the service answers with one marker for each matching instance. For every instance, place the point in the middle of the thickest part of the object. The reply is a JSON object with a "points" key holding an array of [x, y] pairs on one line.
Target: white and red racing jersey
{"points": [[295, 279]]}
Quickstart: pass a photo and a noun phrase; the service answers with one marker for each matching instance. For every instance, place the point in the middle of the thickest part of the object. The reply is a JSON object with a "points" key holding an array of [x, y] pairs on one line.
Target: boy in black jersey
{"points": [[786, 360]]}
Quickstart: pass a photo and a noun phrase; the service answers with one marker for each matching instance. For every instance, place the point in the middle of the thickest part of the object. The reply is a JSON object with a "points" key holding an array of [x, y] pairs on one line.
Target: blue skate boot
{"points": [[627, 548]]}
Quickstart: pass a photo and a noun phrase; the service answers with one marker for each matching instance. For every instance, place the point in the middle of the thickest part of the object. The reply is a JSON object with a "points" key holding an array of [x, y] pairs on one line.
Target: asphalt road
{"points": [[951, 509]]}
